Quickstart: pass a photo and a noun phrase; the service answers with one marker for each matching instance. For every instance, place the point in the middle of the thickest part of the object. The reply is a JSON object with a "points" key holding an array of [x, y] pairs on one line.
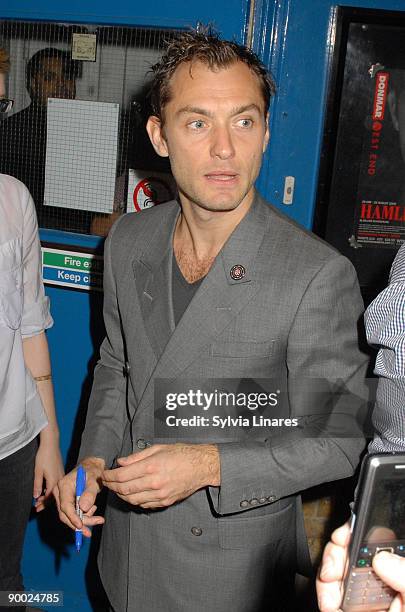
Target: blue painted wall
{"points": [[230, 16]]}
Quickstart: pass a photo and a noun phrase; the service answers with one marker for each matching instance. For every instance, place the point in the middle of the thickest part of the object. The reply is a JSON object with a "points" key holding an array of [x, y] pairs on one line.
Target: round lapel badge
{"points": [[237, 272]]}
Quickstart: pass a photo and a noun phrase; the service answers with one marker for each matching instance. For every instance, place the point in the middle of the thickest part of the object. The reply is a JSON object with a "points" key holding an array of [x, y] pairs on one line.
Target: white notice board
{"points": [[81, 154]]}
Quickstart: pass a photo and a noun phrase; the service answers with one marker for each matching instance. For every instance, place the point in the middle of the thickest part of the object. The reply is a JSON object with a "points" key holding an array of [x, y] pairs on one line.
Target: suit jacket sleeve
{"points": [[106, 416], [323, 343]]}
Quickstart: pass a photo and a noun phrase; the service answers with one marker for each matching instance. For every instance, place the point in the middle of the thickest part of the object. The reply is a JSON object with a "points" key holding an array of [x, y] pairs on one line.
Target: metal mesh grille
{"points": [[118, 75]]}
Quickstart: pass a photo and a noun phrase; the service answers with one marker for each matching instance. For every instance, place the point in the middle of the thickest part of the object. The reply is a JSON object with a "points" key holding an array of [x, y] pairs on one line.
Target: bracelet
{"points": [[45, 377]]}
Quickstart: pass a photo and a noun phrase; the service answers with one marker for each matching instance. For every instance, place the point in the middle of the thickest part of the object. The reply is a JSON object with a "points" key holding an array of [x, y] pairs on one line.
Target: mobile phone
{"points": [[378, 524]]}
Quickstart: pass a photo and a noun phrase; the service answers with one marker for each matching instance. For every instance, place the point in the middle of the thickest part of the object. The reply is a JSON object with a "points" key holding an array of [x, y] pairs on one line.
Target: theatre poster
{"points": [[361, 195]]}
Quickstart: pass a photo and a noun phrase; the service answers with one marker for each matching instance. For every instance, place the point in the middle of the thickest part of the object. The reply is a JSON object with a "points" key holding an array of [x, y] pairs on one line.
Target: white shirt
{"points": [[385, 326], [24, 312]]}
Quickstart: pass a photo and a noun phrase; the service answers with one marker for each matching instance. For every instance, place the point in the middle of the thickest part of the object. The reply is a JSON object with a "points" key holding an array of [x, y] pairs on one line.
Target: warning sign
{"points": [[147, 189]]}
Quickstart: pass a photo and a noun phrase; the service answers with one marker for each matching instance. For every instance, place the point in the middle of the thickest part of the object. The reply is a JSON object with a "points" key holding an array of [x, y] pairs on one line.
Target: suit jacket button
{"points": [[141, 443], [196, 531], [254, 501], [244, 503], [272, 498], [263, 500]]}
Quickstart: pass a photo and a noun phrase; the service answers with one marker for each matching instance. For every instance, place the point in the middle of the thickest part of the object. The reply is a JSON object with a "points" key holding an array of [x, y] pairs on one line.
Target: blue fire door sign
{"points": [[72, 269]]}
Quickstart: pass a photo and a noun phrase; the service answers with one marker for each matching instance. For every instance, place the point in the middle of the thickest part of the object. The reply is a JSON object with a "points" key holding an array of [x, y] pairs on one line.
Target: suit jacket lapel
{"points": [[153, 280]]}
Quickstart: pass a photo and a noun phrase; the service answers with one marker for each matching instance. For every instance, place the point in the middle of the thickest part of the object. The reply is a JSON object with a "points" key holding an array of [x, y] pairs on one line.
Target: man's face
{"points": [[214, 133], [51, 82]]}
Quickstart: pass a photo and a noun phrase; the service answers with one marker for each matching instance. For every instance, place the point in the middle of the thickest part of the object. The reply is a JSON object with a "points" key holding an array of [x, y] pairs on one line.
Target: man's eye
{"points": [[197, 124], [245, 123]]}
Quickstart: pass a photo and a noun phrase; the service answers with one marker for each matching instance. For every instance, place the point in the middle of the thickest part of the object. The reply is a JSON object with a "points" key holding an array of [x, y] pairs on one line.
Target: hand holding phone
{"points": [[390, 568], [378, 525]]}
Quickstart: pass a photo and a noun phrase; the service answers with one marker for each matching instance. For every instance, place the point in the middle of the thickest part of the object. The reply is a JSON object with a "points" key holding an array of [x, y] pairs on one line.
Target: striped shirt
{"points": [[385, 326]]}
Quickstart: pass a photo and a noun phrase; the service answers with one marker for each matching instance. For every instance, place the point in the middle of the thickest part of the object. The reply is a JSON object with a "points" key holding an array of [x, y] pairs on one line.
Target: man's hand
{"points": [[163, 474], [329, 585], [65, 494]]}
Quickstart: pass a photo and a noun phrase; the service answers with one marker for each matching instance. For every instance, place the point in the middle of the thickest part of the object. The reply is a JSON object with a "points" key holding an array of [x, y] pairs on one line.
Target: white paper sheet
{"points": [[81, 154]]}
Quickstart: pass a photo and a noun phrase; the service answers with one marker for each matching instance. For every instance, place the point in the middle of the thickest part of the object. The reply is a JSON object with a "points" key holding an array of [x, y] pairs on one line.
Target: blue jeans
{"points": [[16, 487]]}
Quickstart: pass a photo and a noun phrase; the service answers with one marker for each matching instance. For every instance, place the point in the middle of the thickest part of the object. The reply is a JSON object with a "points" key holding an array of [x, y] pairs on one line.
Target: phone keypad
{"points": [[365, 589], [369, 550]]}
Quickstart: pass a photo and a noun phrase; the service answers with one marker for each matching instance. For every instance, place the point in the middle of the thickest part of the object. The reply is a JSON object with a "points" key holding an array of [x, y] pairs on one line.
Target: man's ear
{"points": [[267, 133], [393, 106], [155, 133]]}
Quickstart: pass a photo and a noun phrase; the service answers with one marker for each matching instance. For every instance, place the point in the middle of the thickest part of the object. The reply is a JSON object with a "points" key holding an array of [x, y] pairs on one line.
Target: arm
{"points": [[48, 461], [322, 344], [35, 319], [106, 415]]}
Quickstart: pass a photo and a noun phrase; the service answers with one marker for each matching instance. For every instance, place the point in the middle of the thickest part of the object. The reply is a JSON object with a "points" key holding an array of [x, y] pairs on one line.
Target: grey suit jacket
{"points": [[293, 315]]}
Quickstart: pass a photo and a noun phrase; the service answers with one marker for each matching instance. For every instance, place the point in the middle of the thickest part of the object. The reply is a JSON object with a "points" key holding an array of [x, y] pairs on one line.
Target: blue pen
{"points": [[80, 486]]}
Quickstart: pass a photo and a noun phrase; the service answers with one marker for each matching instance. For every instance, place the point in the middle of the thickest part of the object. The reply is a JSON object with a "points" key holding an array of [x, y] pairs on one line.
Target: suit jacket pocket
{"points": [[243, 349], [252, 531]]}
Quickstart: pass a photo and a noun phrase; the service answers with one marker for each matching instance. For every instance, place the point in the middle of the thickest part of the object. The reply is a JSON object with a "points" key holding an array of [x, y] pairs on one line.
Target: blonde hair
{"points": [[4, 61]]}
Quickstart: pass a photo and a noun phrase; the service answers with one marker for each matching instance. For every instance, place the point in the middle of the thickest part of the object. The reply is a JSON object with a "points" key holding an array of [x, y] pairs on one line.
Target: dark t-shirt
{"points": [[182, 291]]}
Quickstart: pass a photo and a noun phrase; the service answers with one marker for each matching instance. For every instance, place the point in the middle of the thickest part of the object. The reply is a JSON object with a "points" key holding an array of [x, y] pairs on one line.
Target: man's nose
{"points": [[222, 144]]}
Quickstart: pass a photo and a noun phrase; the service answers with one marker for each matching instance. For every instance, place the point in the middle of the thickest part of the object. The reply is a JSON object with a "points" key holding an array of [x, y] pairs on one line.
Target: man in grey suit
{"points": [[220, 285]]}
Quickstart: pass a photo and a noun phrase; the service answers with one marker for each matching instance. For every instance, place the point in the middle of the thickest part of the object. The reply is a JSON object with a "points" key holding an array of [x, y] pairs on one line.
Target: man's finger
{"points": [[64, 518], [92, 510], [133, 486], [391, 569], [68, 516], [88, 498], [56, 495], [68, 512], [329, 597], [67, 505], [333, 563], [123, 474], [341, 535], [130, 459], [93, 520], [145, 499], [397, 605]]}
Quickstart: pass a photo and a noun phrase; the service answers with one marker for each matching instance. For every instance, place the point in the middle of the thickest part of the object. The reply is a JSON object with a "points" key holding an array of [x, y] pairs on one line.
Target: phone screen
{"points": [[385, 522]]}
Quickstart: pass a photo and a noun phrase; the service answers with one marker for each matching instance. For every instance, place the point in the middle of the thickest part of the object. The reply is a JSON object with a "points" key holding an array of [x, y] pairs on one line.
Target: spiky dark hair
{"points": [[205, 46]]}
